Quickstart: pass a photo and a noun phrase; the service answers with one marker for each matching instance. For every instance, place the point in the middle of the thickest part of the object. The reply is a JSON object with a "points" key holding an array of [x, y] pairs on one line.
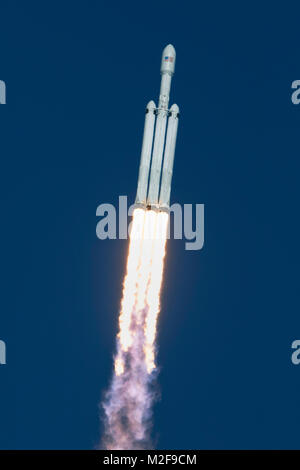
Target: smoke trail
{"points": [[128, 402]]}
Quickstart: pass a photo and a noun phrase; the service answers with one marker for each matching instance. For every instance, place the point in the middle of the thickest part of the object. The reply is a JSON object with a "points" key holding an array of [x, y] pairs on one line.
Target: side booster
{"points": [[158, 153]]}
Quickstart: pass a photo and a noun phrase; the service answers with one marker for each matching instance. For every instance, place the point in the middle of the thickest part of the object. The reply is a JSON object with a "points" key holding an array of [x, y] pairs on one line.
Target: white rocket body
{"points": [[158, 148]]}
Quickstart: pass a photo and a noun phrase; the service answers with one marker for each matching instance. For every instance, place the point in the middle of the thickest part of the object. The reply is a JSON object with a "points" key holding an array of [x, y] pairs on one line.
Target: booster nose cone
{"points": [[174, 109], [168, 60], [151, 106]]}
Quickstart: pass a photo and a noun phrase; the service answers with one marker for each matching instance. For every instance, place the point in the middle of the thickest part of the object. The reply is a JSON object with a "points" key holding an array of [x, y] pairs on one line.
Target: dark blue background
{"points": [[78, 76]]}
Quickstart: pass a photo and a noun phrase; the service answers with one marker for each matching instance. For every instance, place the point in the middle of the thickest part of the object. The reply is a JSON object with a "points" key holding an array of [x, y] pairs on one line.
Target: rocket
{"points": [[159, 142]]}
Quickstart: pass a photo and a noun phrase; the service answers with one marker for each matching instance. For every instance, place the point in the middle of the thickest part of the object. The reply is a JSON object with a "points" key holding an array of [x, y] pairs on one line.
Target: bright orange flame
{"points": [[142, 284], [130, 282], [153, 294]]}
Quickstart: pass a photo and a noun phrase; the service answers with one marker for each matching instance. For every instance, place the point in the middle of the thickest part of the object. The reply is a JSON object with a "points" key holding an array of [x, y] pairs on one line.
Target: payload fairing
{"points": [[158, 153]]}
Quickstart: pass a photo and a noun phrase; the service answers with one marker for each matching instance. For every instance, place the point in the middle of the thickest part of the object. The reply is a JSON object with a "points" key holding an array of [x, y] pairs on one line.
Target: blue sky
{"points": [[78, 77]]}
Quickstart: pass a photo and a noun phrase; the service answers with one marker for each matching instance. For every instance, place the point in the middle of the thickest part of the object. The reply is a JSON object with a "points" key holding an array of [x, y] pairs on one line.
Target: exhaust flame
{"points": [[128, 402]]}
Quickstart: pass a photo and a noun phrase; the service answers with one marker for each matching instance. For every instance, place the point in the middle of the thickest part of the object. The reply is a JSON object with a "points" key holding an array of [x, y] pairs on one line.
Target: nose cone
{"points": [[151, 106], [174, 110], [168, 60]]}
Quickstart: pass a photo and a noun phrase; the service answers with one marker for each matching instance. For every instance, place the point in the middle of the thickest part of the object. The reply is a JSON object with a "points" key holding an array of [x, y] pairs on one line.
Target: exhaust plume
{"points": [[128, 402]]}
